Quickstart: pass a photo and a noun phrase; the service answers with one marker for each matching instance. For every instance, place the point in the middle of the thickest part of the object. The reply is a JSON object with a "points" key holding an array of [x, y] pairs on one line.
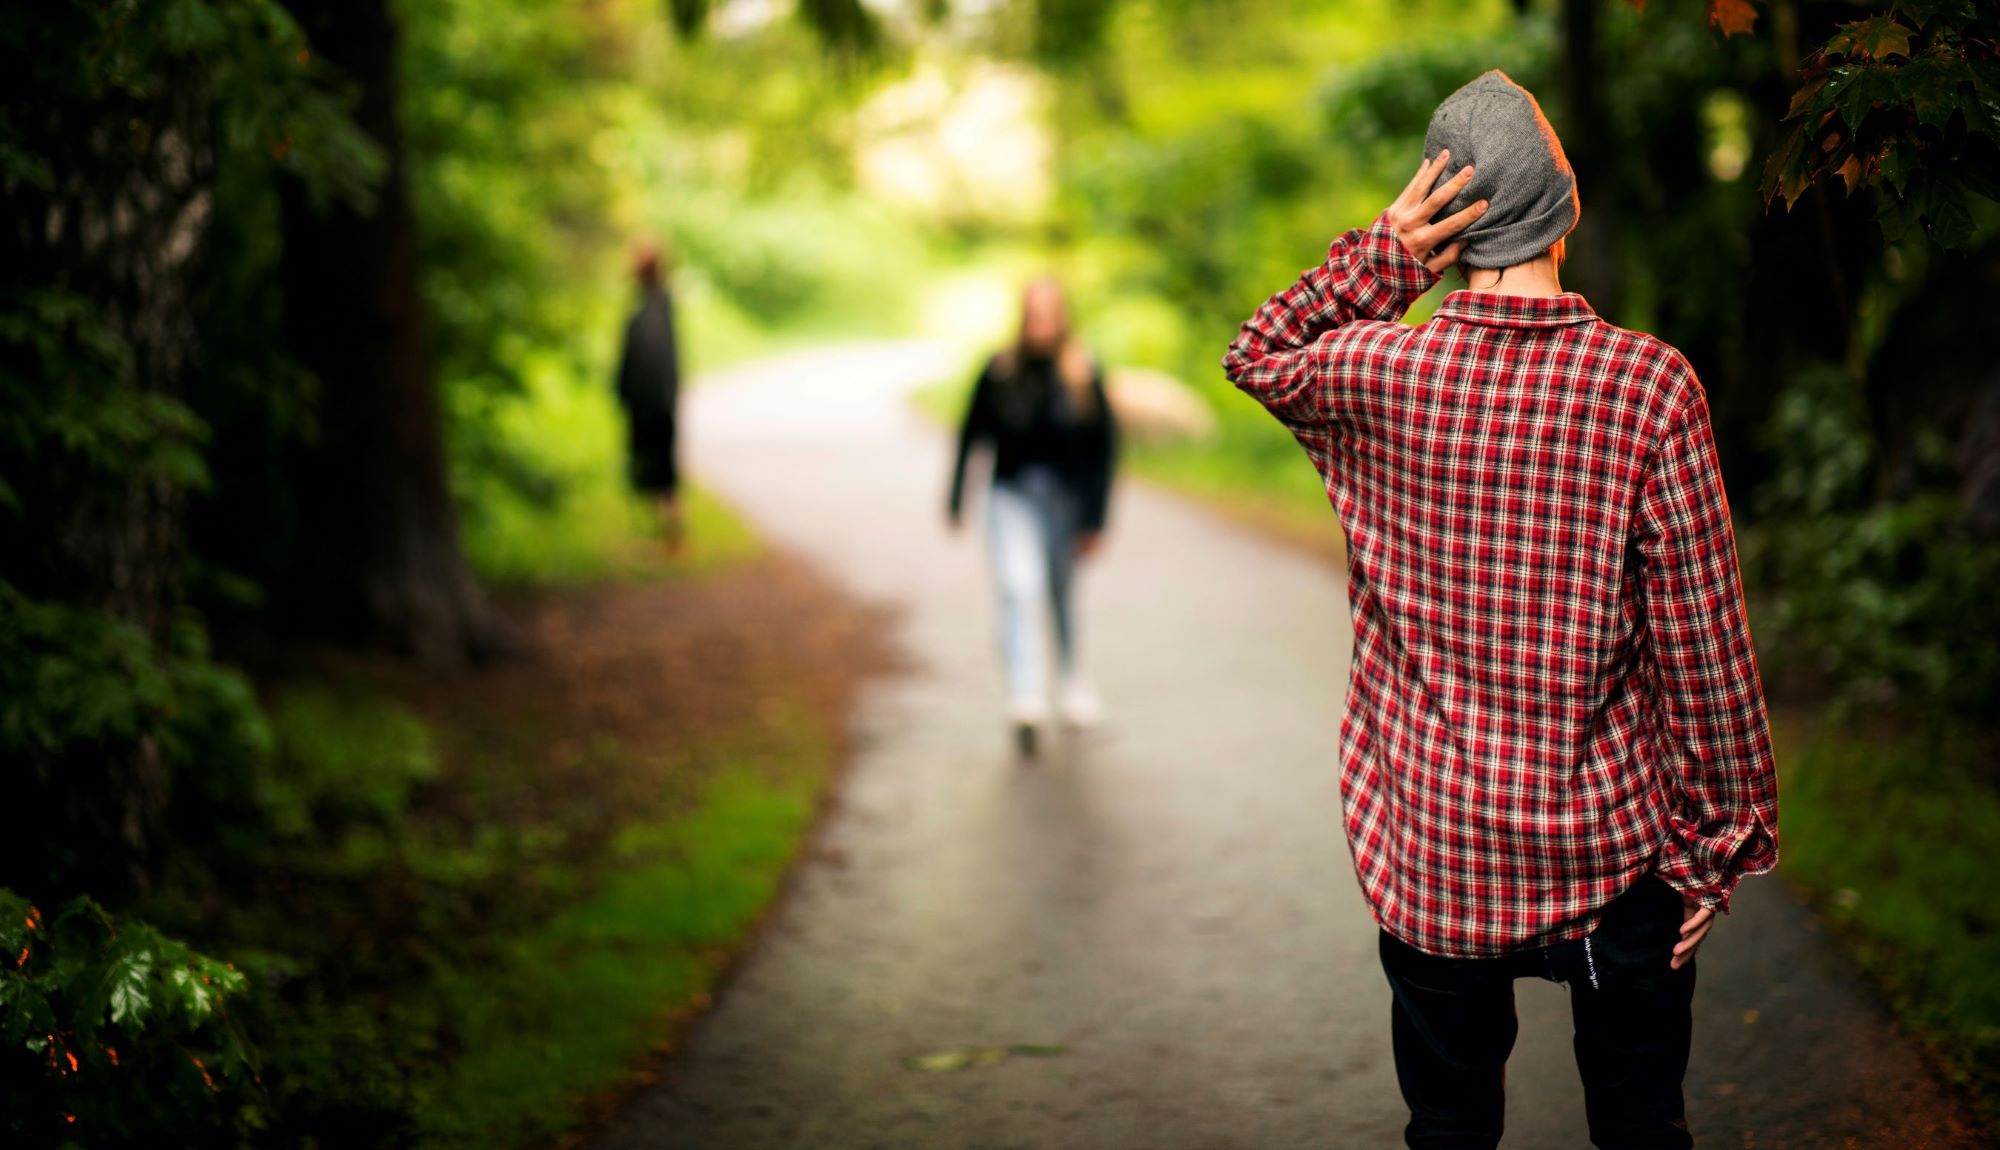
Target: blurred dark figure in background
{"points": [[649, 385], [1555, 759], [1040, 406]]}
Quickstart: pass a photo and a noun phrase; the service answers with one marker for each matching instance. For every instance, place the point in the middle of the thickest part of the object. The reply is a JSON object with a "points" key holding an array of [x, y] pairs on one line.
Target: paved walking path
{"points": [[1170, 901]]}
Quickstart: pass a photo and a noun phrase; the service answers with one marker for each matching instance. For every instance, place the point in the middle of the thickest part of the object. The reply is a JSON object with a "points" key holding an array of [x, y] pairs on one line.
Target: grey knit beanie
{"points": [[1496, 126]]}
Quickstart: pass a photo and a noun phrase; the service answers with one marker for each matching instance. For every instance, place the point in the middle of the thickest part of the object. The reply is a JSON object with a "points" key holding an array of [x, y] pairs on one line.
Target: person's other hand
{"points": [[1410, 216], [1087, 544], [1695, 927]]}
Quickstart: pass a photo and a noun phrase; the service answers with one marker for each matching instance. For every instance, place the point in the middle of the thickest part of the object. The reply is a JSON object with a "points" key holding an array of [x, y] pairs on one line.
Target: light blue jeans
{"points": [[1031, 525]]}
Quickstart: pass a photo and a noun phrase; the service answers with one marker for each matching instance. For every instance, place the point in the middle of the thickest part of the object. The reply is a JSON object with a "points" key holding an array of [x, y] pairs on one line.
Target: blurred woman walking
{"points": [[1040, 408]]}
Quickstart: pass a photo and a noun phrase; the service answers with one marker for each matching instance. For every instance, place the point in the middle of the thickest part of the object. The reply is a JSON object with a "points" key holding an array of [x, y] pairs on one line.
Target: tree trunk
{"points": [[115, 233], [381, 562], [1927, 380], [1592, 265]]}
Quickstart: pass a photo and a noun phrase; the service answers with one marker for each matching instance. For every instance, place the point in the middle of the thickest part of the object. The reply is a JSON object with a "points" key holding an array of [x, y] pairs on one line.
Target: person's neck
{"points": [[1536, 278]]}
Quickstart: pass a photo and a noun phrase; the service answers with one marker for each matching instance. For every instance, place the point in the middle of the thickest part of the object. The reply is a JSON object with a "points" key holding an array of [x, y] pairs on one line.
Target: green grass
{"points": [[471, 957], [600, 531], [1895, 834], [571, 1004]]}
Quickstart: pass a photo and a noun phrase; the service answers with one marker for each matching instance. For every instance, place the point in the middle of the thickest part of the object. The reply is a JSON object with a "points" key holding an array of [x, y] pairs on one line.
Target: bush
{"points": [[1878, 595], [113, 1035]]}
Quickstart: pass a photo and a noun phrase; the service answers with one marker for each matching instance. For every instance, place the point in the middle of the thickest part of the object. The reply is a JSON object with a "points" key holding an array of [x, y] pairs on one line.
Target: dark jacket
{"points": [[649, 384], [1029, 419]]}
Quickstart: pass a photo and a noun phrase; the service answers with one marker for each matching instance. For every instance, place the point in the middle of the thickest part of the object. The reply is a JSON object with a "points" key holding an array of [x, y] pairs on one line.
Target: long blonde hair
{"points": [[1074, 366]]}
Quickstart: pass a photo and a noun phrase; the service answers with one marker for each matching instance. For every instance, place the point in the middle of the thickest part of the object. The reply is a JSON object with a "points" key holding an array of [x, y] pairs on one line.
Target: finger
{"points": [[1689, 948], [1421, 182], [1447, 191], [1435, 234], [1688, 944], [1427, 174], [1701, 919], [1444, 259]]}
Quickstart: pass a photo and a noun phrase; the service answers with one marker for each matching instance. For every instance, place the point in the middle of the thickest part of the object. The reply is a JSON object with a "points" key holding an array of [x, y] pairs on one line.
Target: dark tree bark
{"points": [[380, 558], [116, 230], [1592, 266], [1929, 379]]}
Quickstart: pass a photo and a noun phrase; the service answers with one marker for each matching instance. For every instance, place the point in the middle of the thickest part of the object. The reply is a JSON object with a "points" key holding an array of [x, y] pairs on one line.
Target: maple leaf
{"points": [[1852, 172], [1732, 16], [1876, 38]]}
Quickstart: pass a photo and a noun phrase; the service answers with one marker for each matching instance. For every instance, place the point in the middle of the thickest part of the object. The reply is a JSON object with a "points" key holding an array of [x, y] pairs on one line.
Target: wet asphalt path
{"points": [[1169, 901]]}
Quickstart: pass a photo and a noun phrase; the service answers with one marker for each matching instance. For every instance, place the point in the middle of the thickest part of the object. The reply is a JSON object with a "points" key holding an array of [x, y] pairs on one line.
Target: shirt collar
{"points": [[1496, 310]]}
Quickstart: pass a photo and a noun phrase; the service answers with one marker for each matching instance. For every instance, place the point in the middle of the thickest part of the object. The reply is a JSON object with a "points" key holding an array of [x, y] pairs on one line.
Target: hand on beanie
{"points": [[1495, 126], [1410, 216]]}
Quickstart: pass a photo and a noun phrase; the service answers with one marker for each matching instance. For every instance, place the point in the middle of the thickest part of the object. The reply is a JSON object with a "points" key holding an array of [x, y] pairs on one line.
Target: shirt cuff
{"points": [[1708, 871], [1392, 262]]}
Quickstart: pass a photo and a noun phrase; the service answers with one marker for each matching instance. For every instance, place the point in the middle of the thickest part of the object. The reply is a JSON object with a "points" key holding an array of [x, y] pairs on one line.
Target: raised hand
{"points": [[1410, 216]]}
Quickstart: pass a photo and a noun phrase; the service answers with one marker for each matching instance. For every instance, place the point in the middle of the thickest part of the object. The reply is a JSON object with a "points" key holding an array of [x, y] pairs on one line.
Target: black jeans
{"points": [[1455, 1025]]}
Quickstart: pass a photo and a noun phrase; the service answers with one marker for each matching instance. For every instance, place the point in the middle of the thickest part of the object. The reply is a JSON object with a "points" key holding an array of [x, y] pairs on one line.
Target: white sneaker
{"points": [[1028, 712], [1081, 707]]}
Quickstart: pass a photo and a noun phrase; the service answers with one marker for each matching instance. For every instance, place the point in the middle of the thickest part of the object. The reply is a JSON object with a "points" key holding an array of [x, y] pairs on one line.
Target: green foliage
{"points": [[501, 106], [113, 1035], [116, 118], [79, 405], [601, 531], [843, 25], [1876, 593], [75, 681], [539, 153], [71, 676], [1895, 835], [1391, 97], [1910, 110], [268, 94], [456, 960], [65, 380], [1068, 32], [343, 759]]}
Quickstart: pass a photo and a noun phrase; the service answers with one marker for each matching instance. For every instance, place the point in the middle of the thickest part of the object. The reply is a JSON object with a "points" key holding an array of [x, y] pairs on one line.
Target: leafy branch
{"points": [[91, 1007], [1905, 103]]}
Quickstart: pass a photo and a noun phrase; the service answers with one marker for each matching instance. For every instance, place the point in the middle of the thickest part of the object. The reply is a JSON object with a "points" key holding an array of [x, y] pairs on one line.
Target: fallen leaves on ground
{"points": [[971, 1056]]}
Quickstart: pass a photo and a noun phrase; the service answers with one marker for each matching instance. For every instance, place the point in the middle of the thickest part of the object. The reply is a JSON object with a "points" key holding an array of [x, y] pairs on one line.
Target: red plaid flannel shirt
{"points": [[1553, 687]]}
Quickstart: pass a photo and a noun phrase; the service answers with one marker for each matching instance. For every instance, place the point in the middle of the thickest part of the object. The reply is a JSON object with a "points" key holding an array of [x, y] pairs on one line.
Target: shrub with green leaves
{"points": [[114, 1035], [1880, 595]]}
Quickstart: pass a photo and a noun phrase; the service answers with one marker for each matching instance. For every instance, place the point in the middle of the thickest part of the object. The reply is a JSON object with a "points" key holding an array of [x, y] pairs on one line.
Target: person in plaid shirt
{"points": [[1555, 756]]}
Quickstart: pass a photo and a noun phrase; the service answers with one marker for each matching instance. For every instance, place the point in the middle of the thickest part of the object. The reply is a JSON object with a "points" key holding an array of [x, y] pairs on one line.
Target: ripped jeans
{"points": [[1454, 1026]]}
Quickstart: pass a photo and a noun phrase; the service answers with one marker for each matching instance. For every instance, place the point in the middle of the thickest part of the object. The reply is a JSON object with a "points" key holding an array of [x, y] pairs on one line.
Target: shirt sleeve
{"points": [[1100, 457], [1724, 818], [1285, 356], [975, 427]]}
